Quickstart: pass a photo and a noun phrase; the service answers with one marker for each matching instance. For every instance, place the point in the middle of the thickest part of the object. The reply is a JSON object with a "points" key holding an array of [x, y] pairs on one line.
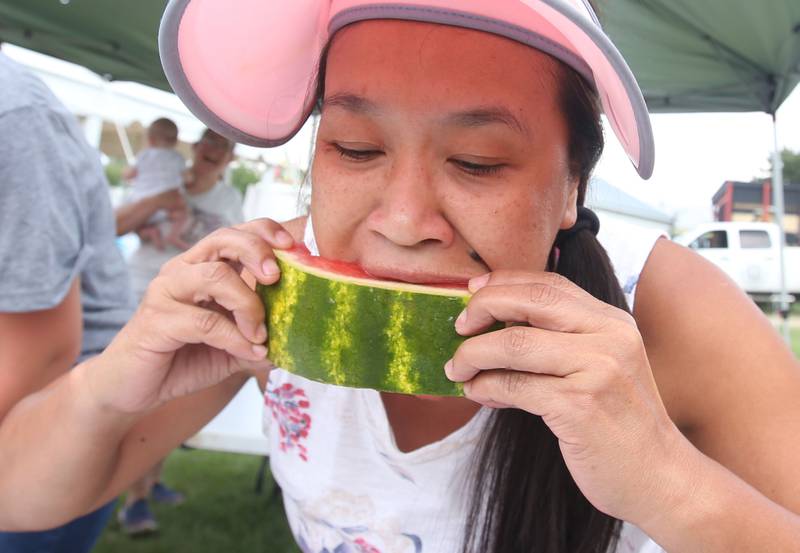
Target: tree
{"points": [[791, 166], [243, 175], [114, 169]]}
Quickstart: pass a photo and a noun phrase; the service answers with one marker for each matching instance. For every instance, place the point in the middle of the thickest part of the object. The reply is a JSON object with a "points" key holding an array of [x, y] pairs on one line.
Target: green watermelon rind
{"points": [[363, 333]]}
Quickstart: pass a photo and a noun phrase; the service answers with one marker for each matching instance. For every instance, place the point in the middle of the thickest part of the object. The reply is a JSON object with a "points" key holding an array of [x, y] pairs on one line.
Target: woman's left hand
{"points": [[580, 365]]}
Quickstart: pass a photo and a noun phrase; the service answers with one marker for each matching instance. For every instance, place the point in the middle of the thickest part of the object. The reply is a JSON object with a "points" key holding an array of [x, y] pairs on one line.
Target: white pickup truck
{"points": [[748, 253]]}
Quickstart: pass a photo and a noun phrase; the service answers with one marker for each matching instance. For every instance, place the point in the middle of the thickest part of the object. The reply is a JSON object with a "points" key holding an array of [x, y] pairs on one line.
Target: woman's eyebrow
{"points": [[473, 117], [489, 115], [350, 102]]}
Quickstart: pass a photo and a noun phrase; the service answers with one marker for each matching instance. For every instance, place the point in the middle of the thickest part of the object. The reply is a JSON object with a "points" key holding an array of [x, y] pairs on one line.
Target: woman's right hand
{"points": [[198, 323]]}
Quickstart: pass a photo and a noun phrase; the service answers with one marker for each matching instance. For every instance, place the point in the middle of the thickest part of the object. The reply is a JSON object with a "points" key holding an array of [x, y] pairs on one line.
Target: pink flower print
{"points": [[288, 405], [365, 547]]}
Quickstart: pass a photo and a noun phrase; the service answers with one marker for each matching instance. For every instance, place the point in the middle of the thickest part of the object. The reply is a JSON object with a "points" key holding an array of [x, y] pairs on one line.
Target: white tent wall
{"points": [[237, 428], [276, 200], [95, 100], [87, 95]]}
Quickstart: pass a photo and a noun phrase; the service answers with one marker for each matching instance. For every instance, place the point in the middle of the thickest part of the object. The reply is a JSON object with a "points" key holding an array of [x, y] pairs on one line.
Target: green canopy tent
{"points": [[114, 38], [709, 55], [688, 55], [713, 55]]}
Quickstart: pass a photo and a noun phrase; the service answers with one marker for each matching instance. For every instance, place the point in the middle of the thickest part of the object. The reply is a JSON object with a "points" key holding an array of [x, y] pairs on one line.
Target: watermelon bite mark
{"points": [[332, 322]]}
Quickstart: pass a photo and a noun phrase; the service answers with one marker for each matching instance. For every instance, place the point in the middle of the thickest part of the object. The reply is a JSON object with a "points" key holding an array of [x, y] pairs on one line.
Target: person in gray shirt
{"points": [[64, 287]]}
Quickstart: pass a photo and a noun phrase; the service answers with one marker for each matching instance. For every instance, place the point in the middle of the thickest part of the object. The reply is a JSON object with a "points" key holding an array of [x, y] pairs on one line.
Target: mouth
{"points": [[416, 276]]}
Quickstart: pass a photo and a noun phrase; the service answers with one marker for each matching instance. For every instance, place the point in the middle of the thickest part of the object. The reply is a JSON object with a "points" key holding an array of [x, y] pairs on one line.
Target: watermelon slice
{"points": [[332, 322]]}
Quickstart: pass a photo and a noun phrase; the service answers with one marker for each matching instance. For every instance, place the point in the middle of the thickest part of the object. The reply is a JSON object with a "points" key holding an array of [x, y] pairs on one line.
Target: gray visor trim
{"points": [[647, 149], [590, 9], [170, 61]]}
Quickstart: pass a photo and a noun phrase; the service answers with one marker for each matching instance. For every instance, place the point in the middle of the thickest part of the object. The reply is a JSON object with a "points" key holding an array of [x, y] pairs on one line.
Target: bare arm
{"points": [[733, 387], [170, 369], [100, 451], [46, 411], [134, 215], [37, 347]]}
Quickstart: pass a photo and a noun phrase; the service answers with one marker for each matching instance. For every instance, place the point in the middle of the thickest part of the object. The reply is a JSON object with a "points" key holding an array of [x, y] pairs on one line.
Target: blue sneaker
{"points": [[165, 495], [136, 519]]}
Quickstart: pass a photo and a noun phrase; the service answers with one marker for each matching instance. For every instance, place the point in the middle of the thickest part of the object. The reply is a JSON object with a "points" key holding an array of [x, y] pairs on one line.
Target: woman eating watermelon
{"points": [[620, 408]]}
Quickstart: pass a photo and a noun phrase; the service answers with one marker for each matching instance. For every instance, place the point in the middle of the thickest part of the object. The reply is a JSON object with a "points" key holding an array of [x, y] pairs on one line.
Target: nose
{"points": [[410, 211]]}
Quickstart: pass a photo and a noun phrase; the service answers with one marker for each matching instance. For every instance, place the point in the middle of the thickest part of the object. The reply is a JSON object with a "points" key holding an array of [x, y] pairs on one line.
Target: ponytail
{"points": [[582, 259], [523, 497]]}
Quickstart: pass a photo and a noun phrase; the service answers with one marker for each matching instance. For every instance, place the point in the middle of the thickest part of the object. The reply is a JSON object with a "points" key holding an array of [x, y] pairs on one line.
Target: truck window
{"points": [[710, 239], [754, 239]]}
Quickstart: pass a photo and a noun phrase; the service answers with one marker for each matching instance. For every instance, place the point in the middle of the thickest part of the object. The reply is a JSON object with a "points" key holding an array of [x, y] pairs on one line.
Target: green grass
{"points": [[222, 512], [794, 333]]}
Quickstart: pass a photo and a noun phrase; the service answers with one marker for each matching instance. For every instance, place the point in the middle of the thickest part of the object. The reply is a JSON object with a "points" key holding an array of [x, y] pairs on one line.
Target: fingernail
{"points": [[261, 332], [462, 318], [259, 351], [284, 238], [479, 282], [270, 267], [448, 368]]}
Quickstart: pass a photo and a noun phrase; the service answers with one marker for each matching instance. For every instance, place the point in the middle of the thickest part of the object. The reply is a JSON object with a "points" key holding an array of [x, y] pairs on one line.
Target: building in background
{"points": [[620, 212], [752, 201]]}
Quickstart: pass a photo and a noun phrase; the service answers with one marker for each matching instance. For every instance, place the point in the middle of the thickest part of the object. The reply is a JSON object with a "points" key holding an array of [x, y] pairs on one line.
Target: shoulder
{"points": [[700, 332], [175, 157], [34, 122], [219, 196], [229, 192], [726, 377], [22, 89], [161, 156]]}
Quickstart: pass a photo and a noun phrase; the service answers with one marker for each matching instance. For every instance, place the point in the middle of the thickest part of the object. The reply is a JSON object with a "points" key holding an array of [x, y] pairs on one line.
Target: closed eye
{"points": [[478, 169], [356, 155]]}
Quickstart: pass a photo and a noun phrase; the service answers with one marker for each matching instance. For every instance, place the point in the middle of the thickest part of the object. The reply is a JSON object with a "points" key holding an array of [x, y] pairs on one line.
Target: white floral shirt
{"points": [[347, 488]]}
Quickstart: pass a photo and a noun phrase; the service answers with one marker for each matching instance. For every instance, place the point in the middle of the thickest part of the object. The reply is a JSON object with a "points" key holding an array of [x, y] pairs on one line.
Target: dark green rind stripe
{"points": [[348, 334]]}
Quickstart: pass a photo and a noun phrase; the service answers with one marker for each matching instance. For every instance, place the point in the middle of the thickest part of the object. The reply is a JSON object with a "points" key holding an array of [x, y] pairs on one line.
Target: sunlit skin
{"points": [[427, 173], [409, 180]]}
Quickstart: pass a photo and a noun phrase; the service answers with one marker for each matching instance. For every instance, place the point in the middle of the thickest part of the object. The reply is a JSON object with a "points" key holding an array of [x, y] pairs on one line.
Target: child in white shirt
{"points": [[160, 168]]}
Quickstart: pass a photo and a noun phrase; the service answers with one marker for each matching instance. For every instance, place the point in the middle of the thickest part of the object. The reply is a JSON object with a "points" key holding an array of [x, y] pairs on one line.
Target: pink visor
{"points": [[247, 68]]}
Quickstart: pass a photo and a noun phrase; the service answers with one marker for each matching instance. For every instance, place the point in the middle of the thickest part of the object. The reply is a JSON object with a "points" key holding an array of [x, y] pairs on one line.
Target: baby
{"points": [[160, 168]]}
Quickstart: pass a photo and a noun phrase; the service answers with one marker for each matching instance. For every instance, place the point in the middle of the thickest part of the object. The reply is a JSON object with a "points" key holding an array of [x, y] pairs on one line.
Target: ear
{"points": [[570, 216]]}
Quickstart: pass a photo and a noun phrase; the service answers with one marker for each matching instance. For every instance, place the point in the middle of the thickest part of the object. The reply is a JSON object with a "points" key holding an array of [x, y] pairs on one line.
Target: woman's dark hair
{"points": [[523, 498]]}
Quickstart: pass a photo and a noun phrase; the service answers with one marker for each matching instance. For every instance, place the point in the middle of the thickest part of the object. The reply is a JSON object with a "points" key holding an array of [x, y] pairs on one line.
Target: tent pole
{"points": [[777, 191], [122, 134]]}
